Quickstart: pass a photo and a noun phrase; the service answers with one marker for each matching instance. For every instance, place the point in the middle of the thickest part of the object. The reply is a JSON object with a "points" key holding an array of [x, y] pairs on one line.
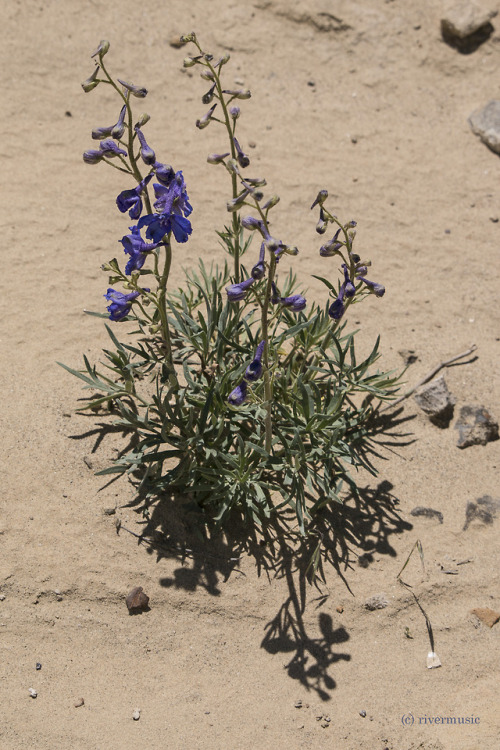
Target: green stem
{"points": [[268, 389], [162, 308]]}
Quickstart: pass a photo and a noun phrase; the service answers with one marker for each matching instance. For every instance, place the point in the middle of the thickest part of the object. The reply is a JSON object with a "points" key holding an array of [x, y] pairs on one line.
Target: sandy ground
{"points": [[373, 107]]}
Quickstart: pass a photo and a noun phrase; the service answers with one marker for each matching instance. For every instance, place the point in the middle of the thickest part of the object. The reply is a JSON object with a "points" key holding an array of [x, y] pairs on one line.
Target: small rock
{"points": [[79, 702], [433, 660], [32, 692], [476, 426], [408, 355], [88, 462], [339, 609], [466, 25], [38, 666], [378, 601], [109, 511], [362, 714], [137, 600], [436, 401], [137, 714], [486, 615], [2, 597], [428, 512], [298, 704], [485, 123], [484, 509]]}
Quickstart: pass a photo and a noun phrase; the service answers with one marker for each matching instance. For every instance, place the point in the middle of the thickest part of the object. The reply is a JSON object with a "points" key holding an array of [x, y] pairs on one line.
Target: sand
{"points": [[364, 99]]}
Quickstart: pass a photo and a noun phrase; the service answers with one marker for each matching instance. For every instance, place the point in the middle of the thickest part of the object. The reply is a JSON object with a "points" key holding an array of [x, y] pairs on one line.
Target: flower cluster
{"points": [[171, 207]]}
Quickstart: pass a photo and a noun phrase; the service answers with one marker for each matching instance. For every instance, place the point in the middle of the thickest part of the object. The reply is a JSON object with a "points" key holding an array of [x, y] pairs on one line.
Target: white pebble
{"points": [[137, 714], [32, 692]]}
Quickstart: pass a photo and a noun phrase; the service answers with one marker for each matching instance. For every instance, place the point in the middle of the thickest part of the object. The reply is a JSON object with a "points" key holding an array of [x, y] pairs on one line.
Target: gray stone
{"points": [[427, 512], [436, 401], [476, 426], [378, 601], [485, 123], [484, 509], [464, 19]]}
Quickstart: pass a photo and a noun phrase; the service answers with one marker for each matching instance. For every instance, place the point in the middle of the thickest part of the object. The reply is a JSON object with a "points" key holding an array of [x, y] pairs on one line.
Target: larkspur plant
{"points": [[240, 393]]}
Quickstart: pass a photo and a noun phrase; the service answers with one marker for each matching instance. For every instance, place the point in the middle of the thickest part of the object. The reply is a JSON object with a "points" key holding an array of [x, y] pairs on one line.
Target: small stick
{"points": [[430, 375]]}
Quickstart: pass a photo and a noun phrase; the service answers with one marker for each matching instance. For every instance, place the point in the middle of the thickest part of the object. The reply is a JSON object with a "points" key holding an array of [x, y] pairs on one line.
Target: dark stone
{"points": [[436, 401], [484, 509], [476, 426], [485, 123], [137, 600]]}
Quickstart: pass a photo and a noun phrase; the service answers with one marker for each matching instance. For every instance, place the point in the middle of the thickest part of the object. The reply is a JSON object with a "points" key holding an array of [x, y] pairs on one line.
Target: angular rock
{"points": [[486, 615], [484, 509], [137, 600], [436, 401], [427, 512], [467, 25], [476, 426], [378, 601], [485, 122]]}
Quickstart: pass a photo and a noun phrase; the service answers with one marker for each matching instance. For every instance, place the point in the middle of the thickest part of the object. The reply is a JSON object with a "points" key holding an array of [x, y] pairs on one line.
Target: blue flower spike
{"points": [[130, 200], [120, 303], [172, 207]]}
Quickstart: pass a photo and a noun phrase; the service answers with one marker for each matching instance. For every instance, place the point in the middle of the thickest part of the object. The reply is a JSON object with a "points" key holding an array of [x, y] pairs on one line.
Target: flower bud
{"points": [[92, 156], [207, 98], [139, 91], [102, 49], [238, 93], [91, 82], [234, 112], [99, 133], [207, 75], [143, 119], [351, 233], [237, 202], [188, 62], [223, 60], [320, 198], [185, 38], [351, 224], [205, 120], [243, 159], [232, 166], [147, 154], [291, 250], [216, 158], [273, 200], [119, 129]]}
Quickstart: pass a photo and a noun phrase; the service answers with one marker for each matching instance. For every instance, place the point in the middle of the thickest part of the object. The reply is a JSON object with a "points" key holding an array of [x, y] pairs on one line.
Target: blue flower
{"points": [[259, 269], [254, 369], [238, 395], [131, 201], [93, 156], [134, 245], [377, 289], [237, 292], [295, 302], [172, 206], [120, 303], [337, 308]]}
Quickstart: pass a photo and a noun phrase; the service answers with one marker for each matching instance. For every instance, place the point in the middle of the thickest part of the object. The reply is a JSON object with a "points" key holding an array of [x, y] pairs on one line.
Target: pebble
{"points": [[32, 692], [476, 426], [175, 41], [362, 714], [436, 401], [486, 615], [484, 509], [79, 702], [137, 714], [38, 666], [298, 704], [2, 597], [485, 123], [378, 601], [339, 609], [464, 20], [137, 599], [409, 356]]}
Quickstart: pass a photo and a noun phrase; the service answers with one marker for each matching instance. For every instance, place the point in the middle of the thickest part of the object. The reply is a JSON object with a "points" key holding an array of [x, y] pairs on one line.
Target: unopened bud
{"points": [[102, 49], [238, 93], [291, 250], [91, 82], [139, 91], [143, 119], [232, 166], [223, 60], [207, 75], [351, 234], [207, 98], [205, 120], [273, 200], [235, 204], [234, 112], [92, 156], [320, 198], [188, 62], [185, 38], [216, 158], [119, 128]]}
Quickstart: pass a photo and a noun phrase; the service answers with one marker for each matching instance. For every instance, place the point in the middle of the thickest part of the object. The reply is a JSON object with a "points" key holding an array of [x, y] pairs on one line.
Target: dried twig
{"points": [[430, 375]]}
